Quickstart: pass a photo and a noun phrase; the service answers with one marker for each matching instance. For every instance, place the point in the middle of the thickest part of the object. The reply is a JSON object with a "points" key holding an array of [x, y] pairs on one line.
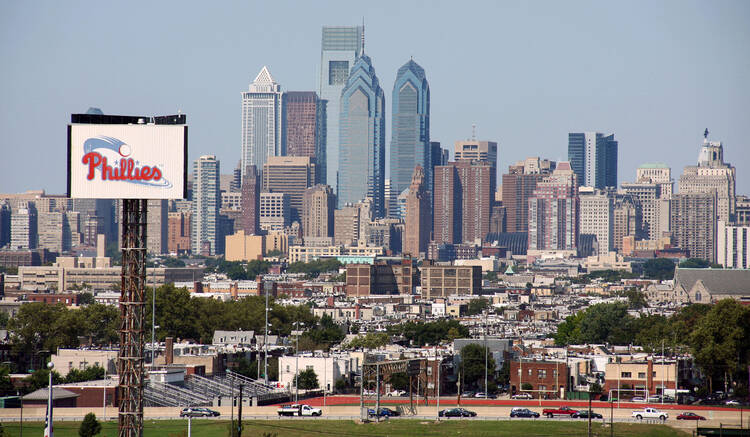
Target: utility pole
{"points": [[239, 414], [439, 365], [589, 433], [485, 355], [265, 338]]}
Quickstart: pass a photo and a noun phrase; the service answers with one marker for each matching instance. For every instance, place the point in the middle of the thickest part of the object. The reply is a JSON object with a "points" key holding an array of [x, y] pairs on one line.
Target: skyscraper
{"points": [[206, 199], [658, 173], [694, 225], [290, 175], [157, 237], [305, 124], [518, 186], [250, 202], [418, 215], [596, 216], [474, 150], [410, 126], [362, 138], [340, 47], [23, 227], [464, 194], [553, 212], [318, 204], [712, 175], [262, 121], [593, 157]]}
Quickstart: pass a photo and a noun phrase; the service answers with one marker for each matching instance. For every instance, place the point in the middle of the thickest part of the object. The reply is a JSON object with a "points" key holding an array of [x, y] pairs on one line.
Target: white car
{"points": [[299, 410], [395, 393], [368, 393], [650, 413]]}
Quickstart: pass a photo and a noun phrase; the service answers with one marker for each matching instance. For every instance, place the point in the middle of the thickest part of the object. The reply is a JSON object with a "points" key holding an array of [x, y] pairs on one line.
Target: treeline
{"points": [[429, 333], [718, 336]]}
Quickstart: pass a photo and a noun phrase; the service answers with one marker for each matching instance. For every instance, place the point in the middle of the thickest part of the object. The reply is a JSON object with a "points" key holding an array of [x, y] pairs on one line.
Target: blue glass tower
{"points": [[410, 126], [361, 162], [593, 158]]}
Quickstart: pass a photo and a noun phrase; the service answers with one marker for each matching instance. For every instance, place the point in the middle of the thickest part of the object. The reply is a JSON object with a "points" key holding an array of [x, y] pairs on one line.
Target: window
{"points": [[653, 374], [541, 387], [641, 375], [287, 368], [541, 373], [529, 372], [626, 375]]}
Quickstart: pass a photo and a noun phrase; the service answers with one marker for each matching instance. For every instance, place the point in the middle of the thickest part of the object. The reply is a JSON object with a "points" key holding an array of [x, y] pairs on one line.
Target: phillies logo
{"points": [[97, 154]]}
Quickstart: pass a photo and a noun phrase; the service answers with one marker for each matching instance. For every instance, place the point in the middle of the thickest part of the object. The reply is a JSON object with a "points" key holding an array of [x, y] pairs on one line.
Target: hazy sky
{"points": [[656, 73]]}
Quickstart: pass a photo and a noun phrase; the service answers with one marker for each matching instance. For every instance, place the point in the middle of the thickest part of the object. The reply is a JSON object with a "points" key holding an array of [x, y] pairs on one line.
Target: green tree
{"points": [[6, 386], [3, 319], [503, 376], [569, 331], [372, 340], [695, 263], [527, 386], [40, 327], [40, 379], [90, 426], [476, 306], [491, 276], [399, 381], [659, 268], [86, 299], [90, 373], [473, 368], [721, 340], [308, 380], [429, 333], [256, 267], [102, 323]]}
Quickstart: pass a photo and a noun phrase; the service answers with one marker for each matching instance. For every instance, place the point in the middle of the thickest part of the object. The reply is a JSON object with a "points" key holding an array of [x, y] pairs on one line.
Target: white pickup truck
{"points": [[650, 413], [299, 410]]}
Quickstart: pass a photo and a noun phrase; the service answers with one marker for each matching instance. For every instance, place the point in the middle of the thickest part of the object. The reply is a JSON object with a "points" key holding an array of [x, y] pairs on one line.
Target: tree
{"points": [[90, 373], [342, 385], [86, 299], [399, 381], [102, 323], [504, 376], [274, 253], [3, 319], [659, 268], [40, 379], [255, 268], [308, 380], [6, 386], [473, 357], [90, 426], [695, 263], [372, 340], [491, 276], [430, 333], [476, 306], [527, 386]]}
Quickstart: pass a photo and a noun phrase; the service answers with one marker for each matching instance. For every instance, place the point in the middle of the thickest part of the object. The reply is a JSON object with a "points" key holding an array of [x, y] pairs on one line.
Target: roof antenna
{"points": [[363, 35], [473, 131]]}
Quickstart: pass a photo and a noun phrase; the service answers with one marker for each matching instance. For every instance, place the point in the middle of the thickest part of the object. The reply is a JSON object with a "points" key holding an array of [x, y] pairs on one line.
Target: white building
{"points": [[596, 216], [23, 228], [732, 246], [261, 121], [204, 238], [328, 368], [712, 175], [275, 211], [658, 173]]}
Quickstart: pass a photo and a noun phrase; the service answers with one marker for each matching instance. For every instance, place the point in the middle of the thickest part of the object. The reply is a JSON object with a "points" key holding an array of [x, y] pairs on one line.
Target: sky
{"points": [[654, 73]]}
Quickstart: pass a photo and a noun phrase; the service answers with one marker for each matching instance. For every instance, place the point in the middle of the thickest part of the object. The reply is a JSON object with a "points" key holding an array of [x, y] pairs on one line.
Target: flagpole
{"points": [[48, 428]]}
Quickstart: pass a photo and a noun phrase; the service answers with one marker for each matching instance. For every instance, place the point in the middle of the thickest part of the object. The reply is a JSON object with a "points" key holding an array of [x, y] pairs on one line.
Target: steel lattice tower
{"points": [[132, 304]]}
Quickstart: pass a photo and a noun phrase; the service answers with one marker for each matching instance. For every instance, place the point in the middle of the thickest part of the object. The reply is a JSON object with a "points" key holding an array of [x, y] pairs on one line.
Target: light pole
{"points": [[485, 356], [48, 426], [296, 361], [265, 338]]}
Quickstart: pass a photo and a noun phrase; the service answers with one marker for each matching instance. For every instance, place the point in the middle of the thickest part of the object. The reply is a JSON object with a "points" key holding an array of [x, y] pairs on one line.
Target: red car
{"points": [[690, 416], [562, 411]]}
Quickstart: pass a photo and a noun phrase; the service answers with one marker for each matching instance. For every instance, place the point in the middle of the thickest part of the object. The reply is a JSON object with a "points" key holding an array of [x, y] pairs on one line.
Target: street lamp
{"points": [[296, 359]]}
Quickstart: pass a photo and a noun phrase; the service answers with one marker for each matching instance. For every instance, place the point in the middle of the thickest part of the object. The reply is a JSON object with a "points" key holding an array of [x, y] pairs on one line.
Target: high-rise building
{"points": [[179, 232], [593, 157], [518, 186], [626, 217], [693, 224], [741, 210], [351, 223], [391, 199], [250, 202], [647, 194], [553, 212], [157, 236], [262, 121], [362, 138], [596, 216], [275, 212], [464, 195], [658, 173], [732, 246], [51, 227], [4, 224], [340, 47], [290, 175], [410, 126], [418, 215], [204, 235], [97, 216], [305, 124], [438, 156], [712, 175], [473, 150], [23, 227], [318, 205]]}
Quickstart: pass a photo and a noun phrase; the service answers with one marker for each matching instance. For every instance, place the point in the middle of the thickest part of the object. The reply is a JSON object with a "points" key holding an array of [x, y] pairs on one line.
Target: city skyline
{"points": [[659, 89]]}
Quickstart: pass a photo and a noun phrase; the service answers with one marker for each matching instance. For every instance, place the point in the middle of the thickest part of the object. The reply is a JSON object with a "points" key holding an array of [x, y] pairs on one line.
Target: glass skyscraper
{"points": [[340, 47], [410, 126], [205, 238], [361, 163], [262, 119], [593, 157]]}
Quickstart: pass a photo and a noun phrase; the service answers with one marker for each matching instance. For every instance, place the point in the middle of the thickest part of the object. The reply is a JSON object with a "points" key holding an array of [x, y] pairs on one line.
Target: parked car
{"points": [[484, 395], [732, 402], [562, 411], [522, 396], [688, 415], [638, 399], [198, 412], [654, 398], [299, 410], [650, 413], [396, 393], [523, 412], [467, 394], [368, 393], [457, 412], [584, 414], [383, 412]]}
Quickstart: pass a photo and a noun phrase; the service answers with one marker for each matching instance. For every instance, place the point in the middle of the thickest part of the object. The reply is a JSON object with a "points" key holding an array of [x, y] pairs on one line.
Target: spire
{"points": [[264, 82], [363, 35]]}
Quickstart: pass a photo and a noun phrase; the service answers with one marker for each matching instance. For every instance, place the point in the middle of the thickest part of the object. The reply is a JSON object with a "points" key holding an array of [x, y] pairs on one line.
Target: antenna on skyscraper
{"points": [[473, 131], [705, 134], [363, 35]]}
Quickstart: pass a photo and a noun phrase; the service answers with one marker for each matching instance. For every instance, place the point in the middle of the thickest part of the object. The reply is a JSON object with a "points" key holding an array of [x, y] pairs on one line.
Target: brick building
{"points": [[441, 281], [383, 277], [547, 378]]}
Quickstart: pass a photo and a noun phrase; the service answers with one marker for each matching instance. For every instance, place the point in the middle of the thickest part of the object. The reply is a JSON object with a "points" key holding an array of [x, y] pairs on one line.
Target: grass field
{"points": [[343, 428]]}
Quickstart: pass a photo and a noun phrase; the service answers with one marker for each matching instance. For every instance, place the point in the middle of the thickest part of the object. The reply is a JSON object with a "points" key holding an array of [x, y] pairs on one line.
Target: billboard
{"points": [[127, 161]]}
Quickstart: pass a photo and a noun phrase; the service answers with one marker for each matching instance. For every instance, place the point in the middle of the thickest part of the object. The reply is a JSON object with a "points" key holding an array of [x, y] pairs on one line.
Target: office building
{"points": [[318, 205], [54, 233], [626, 218], [694, 225], [444, 281], [351, 222], [362, 138], [712, 175], [157, 236], [410, 126], [654, 209], [596, 216], [23, 227], [593, 157], [418, 215], [387, 233], [250, 202], [732, 246], [178, 242], [262, 121], [290, 175], [340, 47], [4, 224], [275, 212], [474, 150], [439, 156], [657, 173], [204, 236], [554, 212], [517, 187], [305, 124], [464, 195]]}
